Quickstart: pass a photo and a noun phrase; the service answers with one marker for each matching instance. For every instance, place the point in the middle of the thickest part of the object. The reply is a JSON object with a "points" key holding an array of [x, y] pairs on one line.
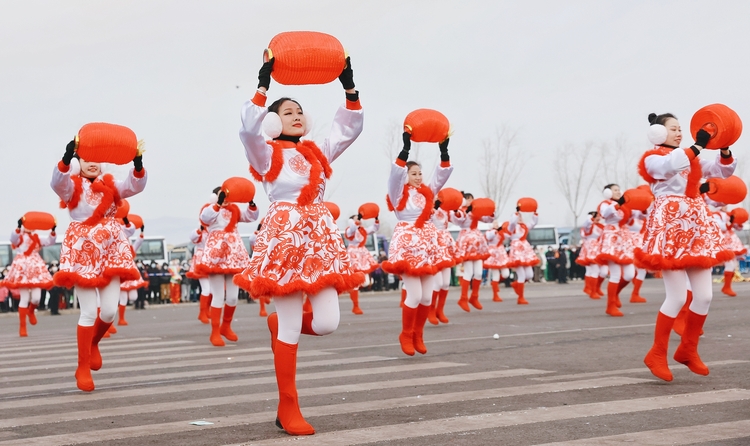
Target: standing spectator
{"points": [[561, 264], [539, 267], [154, 287], [551, 265]]}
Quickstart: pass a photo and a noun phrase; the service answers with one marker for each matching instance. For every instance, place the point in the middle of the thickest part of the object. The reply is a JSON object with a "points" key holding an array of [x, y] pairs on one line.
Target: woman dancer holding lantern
{"points": [[198, 239], [680, 239], [28, 272], [359, 257], [414, 240], [449, 200], [590, 232], [497, 263], [129, 288], [224, 255], [472, 249], [522, 256], [299, 249], [95, 255]]}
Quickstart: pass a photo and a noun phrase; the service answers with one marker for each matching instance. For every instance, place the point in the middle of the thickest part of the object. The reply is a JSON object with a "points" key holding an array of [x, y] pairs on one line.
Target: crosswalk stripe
{"points": [[18, 403], [502, 419], [138, 350], [186, 353], [628, 371], [338, 409], [248, 398], [668, 437], [159, 379], [40, 345], [105, 347]]}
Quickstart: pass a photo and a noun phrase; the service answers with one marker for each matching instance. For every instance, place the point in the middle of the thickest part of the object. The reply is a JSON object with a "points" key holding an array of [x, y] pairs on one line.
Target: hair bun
{"points": [[652, 118]]}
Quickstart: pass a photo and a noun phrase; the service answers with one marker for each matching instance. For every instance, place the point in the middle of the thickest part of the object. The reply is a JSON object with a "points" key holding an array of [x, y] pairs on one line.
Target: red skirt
{"points": [[733, 243], [411, 250], [615, 245], [680, 235], [444, 255], [522, 254], [223, 253], [298, 249], [92, 255], [589, 251], [196, 259], [499, 258], [471, 245], [130, 285], [28, 271], [361, 260]]}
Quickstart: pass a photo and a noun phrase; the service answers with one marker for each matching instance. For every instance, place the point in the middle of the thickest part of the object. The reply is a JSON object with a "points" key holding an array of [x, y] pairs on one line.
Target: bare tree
{"points": [[576, 172], [501, 164], [619, 163]]}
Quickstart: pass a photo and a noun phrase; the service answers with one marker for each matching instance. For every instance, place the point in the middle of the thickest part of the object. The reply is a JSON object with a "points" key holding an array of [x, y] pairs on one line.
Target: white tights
{"points": [[87, 301], [205, 286], [418, 290], [128, 296], [33, 295], [441, 280], [496, 273], [603, 271], [592, 270], [220, 285], [472, 268], [524, 273], [325, 306], [676, 285], [624, 272], [730, 266]]}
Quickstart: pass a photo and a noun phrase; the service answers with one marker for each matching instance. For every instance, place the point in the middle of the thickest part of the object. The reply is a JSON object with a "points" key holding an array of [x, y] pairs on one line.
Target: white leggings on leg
{"points": [[472, 268], [205, 286], [128, 296], [442, 280], [495, 274], [418, 290], [592, 270], [220, 285], [289, 311], [87, 298], [640, 274], [676, 285], [523, 273], [618, 272], [730, 266], [29, 295]]}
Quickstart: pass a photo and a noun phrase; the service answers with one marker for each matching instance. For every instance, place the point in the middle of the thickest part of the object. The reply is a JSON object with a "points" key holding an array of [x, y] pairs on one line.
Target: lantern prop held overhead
{"points": [[238, 190], [426, 125], [482, 207], [38, 221], [450, 199], [305, 58], [527, 204], [721, 122], [100, 142], [369, 210]]}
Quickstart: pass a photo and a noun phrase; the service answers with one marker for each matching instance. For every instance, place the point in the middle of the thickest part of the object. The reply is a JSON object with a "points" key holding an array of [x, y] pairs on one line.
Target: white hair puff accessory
{"points": [[272, 125], [607, 192], [657, 134]]}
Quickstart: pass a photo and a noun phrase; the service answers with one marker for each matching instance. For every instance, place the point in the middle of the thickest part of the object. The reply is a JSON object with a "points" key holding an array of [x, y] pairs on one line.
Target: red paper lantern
{"points": [[482, 207], [38, 221], [730, 190], [305, 57], [369, 210], [136, 220], [527, 204], [238, 190], [427, 125], [100, 142], [721, 122], [123, 209], [637, 199], [450, 199], [740, 216], [333, 208]]}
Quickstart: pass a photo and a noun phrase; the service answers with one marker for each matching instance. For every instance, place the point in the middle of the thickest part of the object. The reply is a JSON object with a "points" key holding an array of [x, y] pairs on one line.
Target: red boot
{"points": [[474, 299], [463, 300], [612, 300], [419, 322], [635, 297], [496, 292], [656, 358], [121, 312], [679, 323], [307, 306], [620, 285], [226, 324], [587, 286], [288, 417], [262, 305], [727, 288], [406, 338], [442, 296], [100, 329], [403, 296], [354, 295], [32, 314], [215, 338], [687, 352], [205, 302], [111, 330], [22, 320], [273, 327], [432, 315], [598, 288], [84, 381], [519, 288]]}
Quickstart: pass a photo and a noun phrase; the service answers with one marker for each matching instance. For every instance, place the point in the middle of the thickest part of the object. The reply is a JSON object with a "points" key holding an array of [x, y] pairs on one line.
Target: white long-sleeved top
{"points": [[590, 230], [128, 230], [667, 170], [294, 175], [610, 212], [197, 238], [441, 218], [516, 230], [355, 235], [463, 220], [637, 219], [64, 187], [415, 202], [217, 218], [493, 238], [22, 244]]}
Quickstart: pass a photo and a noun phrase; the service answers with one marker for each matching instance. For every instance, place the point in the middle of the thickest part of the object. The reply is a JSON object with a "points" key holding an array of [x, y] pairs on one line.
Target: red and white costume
{"points": [[198, 239], [684, 243], [635, 229], [360, 258], [95, 255], [129, 288], [471, 250], [729, 241], [28, 273], [615, 248], [498, 262], [444, 258], [522, 256], [590, 233]]}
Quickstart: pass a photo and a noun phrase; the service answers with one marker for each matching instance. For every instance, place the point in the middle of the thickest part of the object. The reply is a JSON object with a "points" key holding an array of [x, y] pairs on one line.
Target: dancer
{"points": [[299, 249], [497, 263], [129, 288], [472, 249], [198, 239], [522, 256], [590, 232], [95, 255], [445, 259], [359, 257], [224, 255], [613, 248], [680, 239], [731, 242], [28, 273], [635, 230], [414, 240], [262, 302]]}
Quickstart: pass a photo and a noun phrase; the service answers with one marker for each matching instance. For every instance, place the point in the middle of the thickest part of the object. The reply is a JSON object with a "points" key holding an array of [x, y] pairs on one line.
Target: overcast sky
{"points": [[178, 72]]}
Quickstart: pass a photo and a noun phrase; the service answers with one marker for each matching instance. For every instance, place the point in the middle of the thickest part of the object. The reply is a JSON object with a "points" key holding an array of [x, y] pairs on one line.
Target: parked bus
{"points": [[6, 254], [153, 249]]}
